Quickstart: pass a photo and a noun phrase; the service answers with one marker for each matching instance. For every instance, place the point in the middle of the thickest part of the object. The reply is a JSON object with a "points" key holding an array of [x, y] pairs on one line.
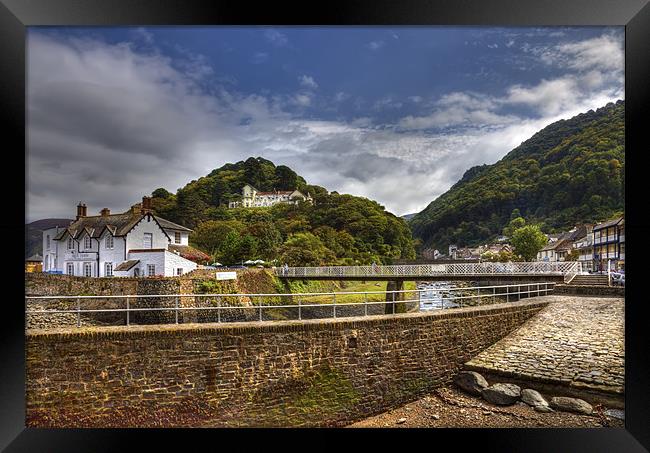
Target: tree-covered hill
{"points": [[338, 228], [570, 172]]}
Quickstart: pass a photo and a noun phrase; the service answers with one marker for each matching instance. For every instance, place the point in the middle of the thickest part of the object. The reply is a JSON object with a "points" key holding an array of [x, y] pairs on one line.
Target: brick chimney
{"points": [[105, 212], [81, 210], [146, 205]]}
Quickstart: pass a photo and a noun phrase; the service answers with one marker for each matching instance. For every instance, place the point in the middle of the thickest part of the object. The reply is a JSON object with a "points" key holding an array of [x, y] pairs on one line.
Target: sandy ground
{"points": [[450, 408]]}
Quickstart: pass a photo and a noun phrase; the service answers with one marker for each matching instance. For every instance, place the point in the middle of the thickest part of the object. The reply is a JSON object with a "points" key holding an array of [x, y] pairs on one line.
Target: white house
{"points": [[252, 198], [135, 243]]}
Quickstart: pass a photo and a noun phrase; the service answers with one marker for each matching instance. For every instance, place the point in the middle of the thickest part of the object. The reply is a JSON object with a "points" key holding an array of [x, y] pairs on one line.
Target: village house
{"points": [[252, 198], [560, 245], [135, 243], [585, 248], [609, 244]]}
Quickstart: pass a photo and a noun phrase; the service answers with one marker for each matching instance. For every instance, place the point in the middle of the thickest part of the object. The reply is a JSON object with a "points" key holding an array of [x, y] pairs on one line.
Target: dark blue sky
{"points": [[355, 109]]}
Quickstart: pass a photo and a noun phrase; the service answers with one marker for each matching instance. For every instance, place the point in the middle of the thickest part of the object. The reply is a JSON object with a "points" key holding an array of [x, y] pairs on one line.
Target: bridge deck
{"points": [[531, 271]]}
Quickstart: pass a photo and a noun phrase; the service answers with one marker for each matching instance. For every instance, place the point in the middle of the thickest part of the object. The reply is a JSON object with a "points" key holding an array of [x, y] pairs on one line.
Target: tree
{"points": [[514, 224], [528, 241], [305, 249]]}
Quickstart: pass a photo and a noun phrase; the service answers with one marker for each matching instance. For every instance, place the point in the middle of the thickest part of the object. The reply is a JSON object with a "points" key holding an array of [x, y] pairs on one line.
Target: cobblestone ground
{"points": [[576, 341]]}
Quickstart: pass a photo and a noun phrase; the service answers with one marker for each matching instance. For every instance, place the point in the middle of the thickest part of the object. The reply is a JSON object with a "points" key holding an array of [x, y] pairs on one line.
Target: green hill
{"points": [[341, 229], [570, 172]]}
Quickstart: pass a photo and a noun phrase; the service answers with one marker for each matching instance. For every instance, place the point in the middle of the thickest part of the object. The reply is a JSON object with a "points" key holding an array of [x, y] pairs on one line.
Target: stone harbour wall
{"points": [[589, 290], [284, 373]]}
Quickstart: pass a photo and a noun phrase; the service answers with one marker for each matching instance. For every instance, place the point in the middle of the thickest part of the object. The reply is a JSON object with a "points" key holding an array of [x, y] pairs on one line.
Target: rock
{"points": [[503, 394], [543, 408], [471, 382], [533, 398], [563, 403], [401, 420], [615, 413]]}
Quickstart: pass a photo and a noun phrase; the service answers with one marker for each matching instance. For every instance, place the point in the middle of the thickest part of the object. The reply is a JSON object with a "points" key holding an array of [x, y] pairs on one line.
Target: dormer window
{"points": [[109, 242], [177, 237], [70, 244], [87, 242]]}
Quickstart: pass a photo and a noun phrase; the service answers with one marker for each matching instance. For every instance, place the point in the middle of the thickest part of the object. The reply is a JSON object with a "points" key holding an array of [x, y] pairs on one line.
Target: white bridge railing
{"points": [[261, 307], [566, 268]]}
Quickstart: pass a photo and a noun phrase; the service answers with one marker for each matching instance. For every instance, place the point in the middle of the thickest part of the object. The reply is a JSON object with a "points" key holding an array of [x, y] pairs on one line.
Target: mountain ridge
{"points": [[571, 171]]}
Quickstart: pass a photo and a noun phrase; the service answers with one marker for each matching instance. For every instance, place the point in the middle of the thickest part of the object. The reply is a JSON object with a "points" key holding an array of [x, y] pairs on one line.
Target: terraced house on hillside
{"points": [[135, 243]]}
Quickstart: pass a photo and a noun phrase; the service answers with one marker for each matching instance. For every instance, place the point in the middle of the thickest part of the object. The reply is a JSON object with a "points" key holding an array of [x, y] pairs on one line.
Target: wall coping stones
{"points": [[283, 326]]}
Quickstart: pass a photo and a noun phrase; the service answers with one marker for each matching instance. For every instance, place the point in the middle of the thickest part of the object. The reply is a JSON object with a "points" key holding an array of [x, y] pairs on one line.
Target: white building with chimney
{"points": [[252, 198], [135, 243]]}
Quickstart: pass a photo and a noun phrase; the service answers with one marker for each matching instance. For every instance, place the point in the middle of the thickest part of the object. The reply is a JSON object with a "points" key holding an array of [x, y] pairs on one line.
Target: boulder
{"points": [[543, 408], [502, 394], [533, 398], [471, 382], [563, 403]]}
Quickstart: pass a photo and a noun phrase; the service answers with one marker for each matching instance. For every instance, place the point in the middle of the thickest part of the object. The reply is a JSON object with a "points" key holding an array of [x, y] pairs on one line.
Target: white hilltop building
{"points": [[253, 198], [135, 243]]}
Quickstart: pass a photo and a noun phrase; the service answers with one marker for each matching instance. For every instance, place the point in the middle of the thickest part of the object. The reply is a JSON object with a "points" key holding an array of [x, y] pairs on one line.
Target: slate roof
{"points": [[609, 223], [117, 224], [126, 265]]}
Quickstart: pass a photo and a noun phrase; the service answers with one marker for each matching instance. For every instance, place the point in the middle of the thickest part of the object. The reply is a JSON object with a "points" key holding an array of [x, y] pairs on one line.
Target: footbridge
{"points": [[513, 271]]}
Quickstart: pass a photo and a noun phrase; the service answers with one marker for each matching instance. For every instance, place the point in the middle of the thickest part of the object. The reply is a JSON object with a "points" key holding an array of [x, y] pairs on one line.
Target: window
{"points": [[177, 237], [109, 242], [47, 241], [136, 272], [179, 271], [109, 269], [88, 269], [70, 269], [87, 243], [151, 270], [148, 239], [70, 244]]}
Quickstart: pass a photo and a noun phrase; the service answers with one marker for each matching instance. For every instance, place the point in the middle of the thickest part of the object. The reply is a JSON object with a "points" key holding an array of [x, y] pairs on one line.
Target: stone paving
{"points": [[575, 341]]}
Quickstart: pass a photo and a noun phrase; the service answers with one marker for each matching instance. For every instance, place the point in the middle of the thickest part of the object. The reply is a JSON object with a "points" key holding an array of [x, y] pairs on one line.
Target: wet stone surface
{"points": [[576, 341]]}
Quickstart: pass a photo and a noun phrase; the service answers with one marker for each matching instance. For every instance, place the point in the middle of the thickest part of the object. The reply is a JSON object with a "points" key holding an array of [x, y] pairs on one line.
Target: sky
{"points": [[394, 114]]}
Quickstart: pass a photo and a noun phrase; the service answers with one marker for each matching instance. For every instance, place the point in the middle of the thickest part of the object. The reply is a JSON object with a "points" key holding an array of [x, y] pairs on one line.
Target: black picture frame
{"points": [[16, 15]]}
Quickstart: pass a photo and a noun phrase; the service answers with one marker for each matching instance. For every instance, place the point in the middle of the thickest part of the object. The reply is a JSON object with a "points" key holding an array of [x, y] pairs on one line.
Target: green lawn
{"points": [[359, 286]]}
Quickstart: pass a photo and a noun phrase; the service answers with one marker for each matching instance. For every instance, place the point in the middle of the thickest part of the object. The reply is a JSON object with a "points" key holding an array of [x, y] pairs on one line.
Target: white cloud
{"points": [[375, 45], [276, 38], [307, 82], [259, 57]]}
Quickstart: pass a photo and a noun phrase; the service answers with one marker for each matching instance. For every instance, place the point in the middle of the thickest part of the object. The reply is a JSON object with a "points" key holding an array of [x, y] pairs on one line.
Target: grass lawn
{"points": [[359, 286]]}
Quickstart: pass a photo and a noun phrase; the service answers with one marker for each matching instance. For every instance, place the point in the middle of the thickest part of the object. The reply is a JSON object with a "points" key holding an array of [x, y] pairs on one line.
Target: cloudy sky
{"points": [[393, 114]]}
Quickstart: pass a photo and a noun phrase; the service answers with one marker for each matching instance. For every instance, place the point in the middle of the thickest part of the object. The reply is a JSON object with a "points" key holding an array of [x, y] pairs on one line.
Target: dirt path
{"points": [[450, 408]]}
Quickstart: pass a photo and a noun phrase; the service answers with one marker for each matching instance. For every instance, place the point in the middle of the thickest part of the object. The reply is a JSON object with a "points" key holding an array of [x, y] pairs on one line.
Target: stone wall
{"points": [[310, 373], [590, 290]]}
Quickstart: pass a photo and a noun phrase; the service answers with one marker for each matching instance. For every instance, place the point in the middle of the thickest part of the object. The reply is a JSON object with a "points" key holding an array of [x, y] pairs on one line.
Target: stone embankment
{"points": [[576, 344], [310, 373]]}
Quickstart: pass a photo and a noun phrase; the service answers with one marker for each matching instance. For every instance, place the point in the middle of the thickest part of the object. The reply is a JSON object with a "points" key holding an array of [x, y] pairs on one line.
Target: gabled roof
{"points": [[117, 224], [609, 223], [170, 225]]}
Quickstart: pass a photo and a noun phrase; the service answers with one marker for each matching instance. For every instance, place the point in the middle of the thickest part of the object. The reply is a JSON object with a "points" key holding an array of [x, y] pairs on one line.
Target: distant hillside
{"points": [[572, 171], [408, 217], [34, 234], [338, 228]]}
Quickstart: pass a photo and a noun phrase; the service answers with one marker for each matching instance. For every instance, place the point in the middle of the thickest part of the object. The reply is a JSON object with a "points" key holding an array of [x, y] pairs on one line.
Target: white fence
{"points": [[568, 269]]}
